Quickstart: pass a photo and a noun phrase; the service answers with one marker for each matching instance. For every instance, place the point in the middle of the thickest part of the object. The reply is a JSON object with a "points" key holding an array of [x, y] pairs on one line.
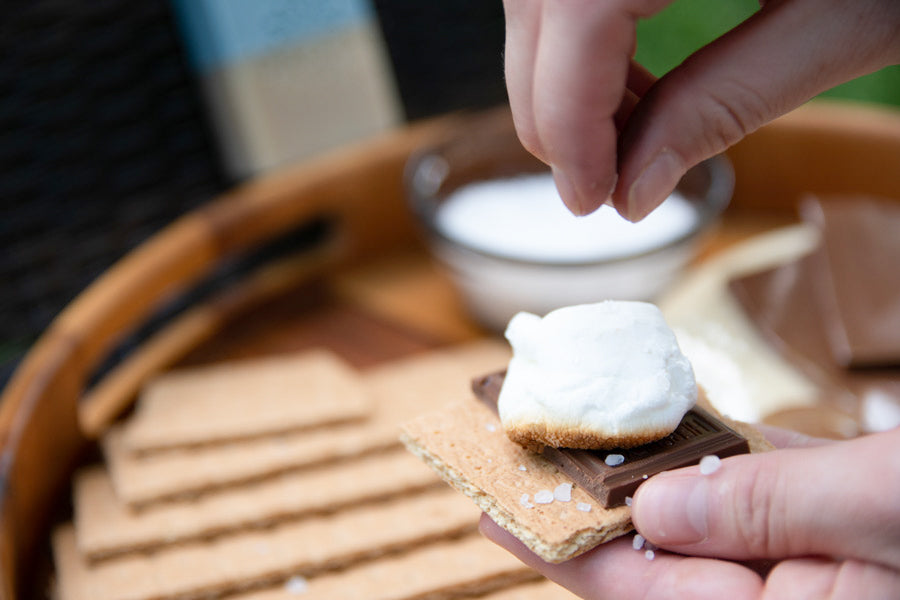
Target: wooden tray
{"points": [[367, 289]]}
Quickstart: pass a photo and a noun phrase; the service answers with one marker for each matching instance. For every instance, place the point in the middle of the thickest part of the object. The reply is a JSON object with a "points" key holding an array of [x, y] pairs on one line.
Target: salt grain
{"points": [[583, 507], [296, 585], [523, 468], [638, 542], [649, 555], [710, 464], [628, 500], [544, 497], [614, 460], [490, 427], [563, 492], [524, 501]]}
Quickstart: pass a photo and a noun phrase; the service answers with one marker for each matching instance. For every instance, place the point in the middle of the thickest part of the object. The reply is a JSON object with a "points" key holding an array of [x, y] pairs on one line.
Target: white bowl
{"points": [[496, 285]]}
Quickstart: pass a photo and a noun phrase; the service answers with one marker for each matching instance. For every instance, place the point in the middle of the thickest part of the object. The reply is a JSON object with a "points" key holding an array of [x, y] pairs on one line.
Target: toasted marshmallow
{"points": [[605, 375]]}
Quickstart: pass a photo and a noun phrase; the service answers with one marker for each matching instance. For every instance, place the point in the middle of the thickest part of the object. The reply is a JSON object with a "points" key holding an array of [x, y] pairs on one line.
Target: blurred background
{"points": [[117, 117]]}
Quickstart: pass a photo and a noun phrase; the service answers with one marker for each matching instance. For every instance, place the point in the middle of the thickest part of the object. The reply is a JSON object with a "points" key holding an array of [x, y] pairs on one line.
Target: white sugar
{"points": [[523, 217], [563, 492], [544, 497], [583, 507], [296, 585], [638, 542], [614, 460], [710, 464], [524, 501]]}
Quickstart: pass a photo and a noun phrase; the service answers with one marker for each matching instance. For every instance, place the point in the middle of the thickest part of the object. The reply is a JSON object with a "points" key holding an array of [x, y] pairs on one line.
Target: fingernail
{"points": [[567, 192], [612, 188], [653, 185], [672, 510]]}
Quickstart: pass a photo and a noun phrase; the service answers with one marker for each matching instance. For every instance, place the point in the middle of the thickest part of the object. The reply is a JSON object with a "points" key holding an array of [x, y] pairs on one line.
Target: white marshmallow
{"points": [[613, 367]]}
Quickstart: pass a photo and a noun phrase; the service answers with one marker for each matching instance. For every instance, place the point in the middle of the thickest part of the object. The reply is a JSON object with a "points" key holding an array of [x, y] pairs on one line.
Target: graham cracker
{"points": [[229, 401], [248, 559], [399, 390], [466, 567], [142, 480], [106, 527], [465, 444]]}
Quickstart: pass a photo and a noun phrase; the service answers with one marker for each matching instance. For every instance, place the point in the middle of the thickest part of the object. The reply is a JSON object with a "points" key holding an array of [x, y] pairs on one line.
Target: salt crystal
{"points": [[296, 585], [880, 411], [644, 476], [710, 464], [638, 542], [563, 492], [583, 507], [628, 500], [523, 468], [490, 427], [544, 497], [649, 555], [524, 501], [614, 460]]}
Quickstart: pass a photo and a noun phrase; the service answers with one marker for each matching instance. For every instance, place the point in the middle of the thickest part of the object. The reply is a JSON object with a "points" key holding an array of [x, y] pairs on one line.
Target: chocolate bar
{"points": [[699, 434]]}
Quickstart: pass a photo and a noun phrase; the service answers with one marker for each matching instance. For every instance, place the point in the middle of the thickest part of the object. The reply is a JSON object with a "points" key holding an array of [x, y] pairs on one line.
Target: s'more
{"points": [[596, 399]]}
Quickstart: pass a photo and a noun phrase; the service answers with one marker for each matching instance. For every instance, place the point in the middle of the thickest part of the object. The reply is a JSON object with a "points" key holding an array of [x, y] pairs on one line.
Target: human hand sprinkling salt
{"points": [[583, 106], [824, 513]]}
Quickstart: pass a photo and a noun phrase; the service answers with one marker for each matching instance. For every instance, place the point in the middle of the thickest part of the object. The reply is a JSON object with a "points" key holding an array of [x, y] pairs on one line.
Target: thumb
{"points": [[783, 55], [835, 500]]}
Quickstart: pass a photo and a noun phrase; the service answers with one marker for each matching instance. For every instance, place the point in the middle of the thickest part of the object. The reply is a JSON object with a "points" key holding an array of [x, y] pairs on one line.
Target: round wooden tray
{"points": [[366, 288]]}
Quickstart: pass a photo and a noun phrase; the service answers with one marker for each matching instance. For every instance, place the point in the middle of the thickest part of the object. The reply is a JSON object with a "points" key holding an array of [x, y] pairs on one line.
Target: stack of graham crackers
{"points": [[283, 478]]}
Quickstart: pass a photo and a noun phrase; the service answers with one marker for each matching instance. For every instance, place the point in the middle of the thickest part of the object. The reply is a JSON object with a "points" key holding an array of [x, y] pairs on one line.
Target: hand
{"points": [[826, 513], [573, 86]]}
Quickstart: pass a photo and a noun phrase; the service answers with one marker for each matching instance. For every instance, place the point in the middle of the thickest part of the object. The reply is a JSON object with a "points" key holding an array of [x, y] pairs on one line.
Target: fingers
{"points": [[833, 500], [579, 79], [523, 25], [617, 570], [819, 578], [640, 80], [786, 53], [567, 68]]}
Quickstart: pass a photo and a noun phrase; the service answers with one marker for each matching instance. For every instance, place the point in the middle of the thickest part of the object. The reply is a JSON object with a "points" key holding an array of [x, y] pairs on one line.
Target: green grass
{"points": [[668, 38]]}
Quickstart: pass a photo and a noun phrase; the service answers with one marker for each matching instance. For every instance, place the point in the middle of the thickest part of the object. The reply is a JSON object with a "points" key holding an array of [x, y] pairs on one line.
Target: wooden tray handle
{"points": [[357, 189]]}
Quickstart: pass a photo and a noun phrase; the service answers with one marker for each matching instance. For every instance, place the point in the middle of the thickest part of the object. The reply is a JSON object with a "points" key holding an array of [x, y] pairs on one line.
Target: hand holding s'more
{"points": [[597, 399], [598, 461], [614, 134]]}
